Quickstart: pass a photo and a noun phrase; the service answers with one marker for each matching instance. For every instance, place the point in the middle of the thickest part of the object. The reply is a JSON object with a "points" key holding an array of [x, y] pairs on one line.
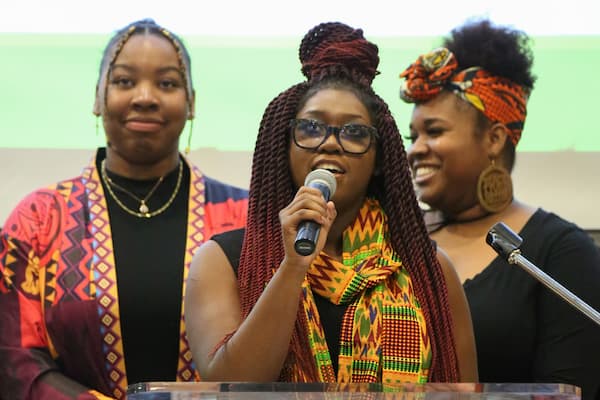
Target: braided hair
{"points": [[334, 55], [115, 45]]}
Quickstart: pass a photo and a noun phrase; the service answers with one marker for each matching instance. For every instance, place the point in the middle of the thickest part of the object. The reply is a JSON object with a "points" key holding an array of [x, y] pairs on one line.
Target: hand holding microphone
{"points": [[308, 231]]}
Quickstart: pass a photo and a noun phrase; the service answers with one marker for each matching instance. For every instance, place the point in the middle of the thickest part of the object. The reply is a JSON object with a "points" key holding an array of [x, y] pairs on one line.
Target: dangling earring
{"points": [[494, 188], [189, 139]]}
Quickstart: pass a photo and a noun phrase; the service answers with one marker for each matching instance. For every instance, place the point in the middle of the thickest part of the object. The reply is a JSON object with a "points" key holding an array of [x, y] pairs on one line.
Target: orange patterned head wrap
{"points": [[499, 99]]}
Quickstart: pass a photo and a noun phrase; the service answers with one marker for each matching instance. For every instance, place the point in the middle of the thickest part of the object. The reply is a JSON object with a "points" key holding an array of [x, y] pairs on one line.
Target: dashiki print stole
{"points": [[105, 283]]}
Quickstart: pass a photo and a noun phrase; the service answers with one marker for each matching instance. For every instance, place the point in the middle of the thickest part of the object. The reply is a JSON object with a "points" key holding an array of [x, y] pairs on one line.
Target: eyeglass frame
{"points": [[336, 131]]}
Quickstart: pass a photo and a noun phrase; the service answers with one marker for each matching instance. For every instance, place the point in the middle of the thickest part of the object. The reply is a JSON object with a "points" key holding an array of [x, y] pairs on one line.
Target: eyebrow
{"points": [[161, 70], [428, 122], [433, 120], [319, 113]]}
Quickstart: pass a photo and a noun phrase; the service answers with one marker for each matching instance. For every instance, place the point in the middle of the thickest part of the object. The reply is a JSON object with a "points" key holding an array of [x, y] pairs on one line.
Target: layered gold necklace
{"points": [[143, 210]]}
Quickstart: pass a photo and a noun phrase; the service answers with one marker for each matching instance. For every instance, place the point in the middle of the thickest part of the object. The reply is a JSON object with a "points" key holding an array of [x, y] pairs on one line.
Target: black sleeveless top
{"points": [[331, 314]]}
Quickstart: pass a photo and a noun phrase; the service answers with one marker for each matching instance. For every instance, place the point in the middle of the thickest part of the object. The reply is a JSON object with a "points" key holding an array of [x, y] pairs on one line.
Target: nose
{"points": [[144, 96], [418, 148], [332, 141]]}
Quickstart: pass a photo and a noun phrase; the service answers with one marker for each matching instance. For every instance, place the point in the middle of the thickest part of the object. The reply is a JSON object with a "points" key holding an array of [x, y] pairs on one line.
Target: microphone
{"points": [[506, 243], [308, 231]]}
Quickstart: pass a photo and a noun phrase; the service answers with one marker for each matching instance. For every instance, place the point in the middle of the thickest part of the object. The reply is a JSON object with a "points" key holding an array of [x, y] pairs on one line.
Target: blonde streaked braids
{"points": [[115, 45]]}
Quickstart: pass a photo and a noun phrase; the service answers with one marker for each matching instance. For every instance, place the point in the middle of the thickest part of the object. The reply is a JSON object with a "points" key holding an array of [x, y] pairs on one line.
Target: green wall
{"points": [[47, 88]]}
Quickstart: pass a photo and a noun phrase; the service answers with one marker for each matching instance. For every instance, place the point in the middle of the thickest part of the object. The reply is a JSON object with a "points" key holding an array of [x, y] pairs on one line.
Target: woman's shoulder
{"points": [[45, 201], [549, 238], [546, 225], [219, 192], [231, 237], [231, 244], [39, 218]]}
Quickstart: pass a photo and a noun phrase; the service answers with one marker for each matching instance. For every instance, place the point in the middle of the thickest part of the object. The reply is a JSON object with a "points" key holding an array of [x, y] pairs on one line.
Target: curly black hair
{"points": [[501, 50]]}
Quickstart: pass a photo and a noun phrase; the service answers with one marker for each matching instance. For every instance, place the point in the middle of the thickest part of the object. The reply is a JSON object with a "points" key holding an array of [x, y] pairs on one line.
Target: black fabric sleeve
{"points": [[231, 243], [568, 345]]}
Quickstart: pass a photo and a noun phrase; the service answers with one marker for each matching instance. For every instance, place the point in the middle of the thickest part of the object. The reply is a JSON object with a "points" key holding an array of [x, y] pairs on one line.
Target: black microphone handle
{"points": [[308, 231], [306, 238]]}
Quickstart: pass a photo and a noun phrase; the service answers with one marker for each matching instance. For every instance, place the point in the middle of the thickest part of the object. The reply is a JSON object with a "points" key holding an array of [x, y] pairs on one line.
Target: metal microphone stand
{"points": [[506, 243]]}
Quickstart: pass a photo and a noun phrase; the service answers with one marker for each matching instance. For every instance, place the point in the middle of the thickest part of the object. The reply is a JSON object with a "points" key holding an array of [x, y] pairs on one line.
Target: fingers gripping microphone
{"points": [[308, 231]]}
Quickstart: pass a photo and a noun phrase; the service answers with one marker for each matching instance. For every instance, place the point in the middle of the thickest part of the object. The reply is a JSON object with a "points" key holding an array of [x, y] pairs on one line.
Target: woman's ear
{"points": [[192, 108], [97, 106], [496, 137]]}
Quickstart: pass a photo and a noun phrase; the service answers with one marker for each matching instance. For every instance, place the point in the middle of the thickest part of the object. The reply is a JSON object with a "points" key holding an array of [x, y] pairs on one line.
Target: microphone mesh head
{"points": [[323, 176]]}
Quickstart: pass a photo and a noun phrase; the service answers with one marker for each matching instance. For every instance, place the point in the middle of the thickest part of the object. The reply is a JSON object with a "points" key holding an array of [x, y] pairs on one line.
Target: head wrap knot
{"points": [[499, 99]]}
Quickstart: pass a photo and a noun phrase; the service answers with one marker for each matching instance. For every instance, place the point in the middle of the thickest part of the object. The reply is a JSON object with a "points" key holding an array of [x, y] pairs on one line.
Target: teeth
{"points": [[330, 167], [422, 171]]}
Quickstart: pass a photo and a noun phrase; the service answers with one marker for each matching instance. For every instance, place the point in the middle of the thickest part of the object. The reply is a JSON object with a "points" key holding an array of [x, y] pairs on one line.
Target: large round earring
{"points": [[494, 188]]}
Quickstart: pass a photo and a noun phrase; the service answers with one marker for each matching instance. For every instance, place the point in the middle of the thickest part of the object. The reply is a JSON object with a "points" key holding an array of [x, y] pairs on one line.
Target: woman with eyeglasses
{"points": [[374, 302]]}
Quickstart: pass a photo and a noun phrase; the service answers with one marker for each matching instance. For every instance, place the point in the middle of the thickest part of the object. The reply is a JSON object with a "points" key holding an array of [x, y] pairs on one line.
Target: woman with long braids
{"points": [[93, 268], [373, 303], [470, 106]]}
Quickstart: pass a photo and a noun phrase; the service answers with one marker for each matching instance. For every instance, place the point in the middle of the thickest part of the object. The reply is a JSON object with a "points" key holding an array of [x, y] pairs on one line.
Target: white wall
{"points": [[563, 182]]}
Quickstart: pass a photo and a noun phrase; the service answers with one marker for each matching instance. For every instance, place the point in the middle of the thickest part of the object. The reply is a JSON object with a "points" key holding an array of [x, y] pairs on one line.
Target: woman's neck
{"points": [[471, 214], [477, 220], [120, 166]]}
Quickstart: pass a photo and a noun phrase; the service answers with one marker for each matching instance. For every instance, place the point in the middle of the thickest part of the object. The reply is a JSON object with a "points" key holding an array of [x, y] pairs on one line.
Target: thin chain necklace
{"points": [[143, 210]]}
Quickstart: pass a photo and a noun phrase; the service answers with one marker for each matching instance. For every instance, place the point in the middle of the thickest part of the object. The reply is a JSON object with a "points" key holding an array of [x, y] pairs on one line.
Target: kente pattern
{"points": [[383, 334]]}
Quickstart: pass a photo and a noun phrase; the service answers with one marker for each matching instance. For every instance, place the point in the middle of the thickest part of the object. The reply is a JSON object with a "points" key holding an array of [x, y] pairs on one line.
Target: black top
{"points": [[331, 314], [149, 258], [524, 331]]}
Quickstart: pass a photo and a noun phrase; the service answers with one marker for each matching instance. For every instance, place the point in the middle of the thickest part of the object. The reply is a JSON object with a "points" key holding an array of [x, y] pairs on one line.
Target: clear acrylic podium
{"points": [[333, 391]]}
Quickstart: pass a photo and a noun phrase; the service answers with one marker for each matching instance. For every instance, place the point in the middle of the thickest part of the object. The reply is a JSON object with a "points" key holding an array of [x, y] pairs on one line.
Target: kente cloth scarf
{"points": [[383, 335], [499, 99]]}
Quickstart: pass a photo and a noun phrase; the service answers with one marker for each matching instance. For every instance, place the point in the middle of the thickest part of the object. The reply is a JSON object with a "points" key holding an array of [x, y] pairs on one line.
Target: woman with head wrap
{"points": [[470, 105], [373, 303]]}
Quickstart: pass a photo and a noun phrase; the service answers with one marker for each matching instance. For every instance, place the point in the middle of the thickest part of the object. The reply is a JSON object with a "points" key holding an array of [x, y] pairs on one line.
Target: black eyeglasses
{"points": [[354, 138]]}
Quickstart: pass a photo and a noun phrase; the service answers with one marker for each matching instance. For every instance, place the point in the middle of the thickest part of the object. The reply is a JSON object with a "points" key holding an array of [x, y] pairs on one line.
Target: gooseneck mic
{"points": [[308, 231], [506, 243]]}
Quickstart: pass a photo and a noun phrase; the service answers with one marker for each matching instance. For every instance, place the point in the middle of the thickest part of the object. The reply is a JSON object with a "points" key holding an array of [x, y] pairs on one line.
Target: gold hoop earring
{"points": [[189, 139], [494, 188]]}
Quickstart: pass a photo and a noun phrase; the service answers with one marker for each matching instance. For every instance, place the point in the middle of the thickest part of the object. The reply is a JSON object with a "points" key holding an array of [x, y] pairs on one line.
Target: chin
{"points": [[138, 154], [424, 195], [428, 200]]}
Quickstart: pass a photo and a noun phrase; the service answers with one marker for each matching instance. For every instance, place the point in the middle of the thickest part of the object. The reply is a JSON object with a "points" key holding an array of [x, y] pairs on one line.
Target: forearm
{"points": [[257, 350], [57, 386], [31, 373]]}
